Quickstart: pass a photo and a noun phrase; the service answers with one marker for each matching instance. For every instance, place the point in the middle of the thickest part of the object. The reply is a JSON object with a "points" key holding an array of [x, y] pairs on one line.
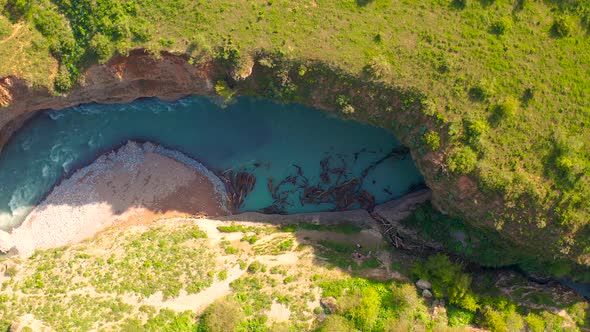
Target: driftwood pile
{"points": [[238, 185], [333, 187]]}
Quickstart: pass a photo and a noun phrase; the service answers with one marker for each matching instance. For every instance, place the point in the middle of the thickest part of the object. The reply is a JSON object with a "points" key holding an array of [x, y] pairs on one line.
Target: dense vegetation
{"points": [[505, 84], [142, 279]]}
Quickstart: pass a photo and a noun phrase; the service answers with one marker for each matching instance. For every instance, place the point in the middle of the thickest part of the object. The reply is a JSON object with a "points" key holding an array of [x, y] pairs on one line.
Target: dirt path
{"points": [[17, 27]]}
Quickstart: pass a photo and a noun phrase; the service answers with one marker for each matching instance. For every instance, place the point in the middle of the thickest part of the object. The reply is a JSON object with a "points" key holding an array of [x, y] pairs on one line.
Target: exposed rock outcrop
{"points": [[123, 79], [423, 284]]}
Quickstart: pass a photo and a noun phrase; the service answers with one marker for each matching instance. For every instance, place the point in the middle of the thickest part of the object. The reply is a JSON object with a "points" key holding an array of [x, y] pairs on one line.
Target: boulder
{"points": [[426, 294], [330, 304], [423, 284], [6, 242]]}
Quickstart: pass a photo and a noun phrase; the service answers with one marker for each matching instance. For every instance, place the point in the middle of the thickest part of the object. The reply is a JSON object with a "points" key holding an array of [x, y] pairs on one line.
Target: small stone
{"points": [[426, 294], [423, 284], [330, 304]]}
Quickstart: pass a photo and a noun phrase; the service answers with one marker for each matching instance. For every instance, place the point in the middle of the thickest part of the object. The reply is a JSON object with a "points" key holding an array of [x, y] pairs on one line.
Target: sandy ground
{"points": [[137, 183]]}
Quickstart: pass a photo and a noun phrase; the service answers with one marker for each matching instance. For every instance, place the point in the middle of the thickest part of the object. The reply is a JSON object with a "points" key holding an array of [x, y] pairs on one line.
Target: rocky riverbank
{"points": [[139, 183], [135, 183]]}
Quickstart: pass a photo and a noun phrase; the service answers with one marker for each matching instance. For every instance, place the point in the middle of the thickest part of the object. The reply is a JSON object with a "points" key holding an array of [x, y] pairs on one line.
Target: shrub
{"points": [[481, 91], [459, 4], [335, 323], [406, 298], [462, 160], [100, 46], [141, 32], [501, 26], [378, 68], [562, 27], [229, 53], [534, 323], [166, 42], [459, 317], [432, 140], [348, 109], [361, 307], [475, 130], [63, 81], [448, 280], [224, 91], [223, 315], [506, 108], [493, 320], [344, 103], [5, 27], [256, 266]]}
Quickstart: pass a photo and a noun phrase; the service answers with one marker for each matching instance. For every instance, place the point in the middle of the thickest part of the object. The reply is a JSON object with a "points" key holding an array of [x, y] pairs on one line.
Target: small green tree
{"points": [[562, 27], [223, 315], [506, 108], [493, 320], [501, 26], [361, 307], [462, 160], [448, 280], [432, 140]]}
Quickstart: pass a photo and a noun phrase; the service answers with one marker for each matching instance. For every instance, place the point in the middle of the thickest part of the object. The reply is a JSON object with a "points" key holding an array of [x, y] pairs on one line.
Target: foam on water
{"points": [[264, 138]]}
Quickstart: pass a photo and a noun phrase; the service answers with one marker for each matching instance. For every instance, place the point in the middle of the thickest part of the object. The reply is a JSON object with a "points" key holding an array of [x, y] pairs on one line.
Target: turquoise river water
{"points": [[266, 139]]}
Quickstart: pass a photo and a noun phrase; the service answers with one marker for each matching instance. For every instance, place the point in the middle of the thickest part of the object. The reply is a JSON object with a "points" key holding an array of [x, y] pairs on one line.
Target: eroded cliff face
{"points": [[121, 80], [169, 77]]}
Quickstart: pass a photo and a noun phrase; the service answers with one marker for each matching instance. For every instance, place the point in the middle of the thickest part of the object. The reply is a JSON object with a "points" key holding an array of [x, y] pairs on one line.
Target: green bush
{"points": [[481, 91], [448, 280], [229, 53], [493, 320], [562, 27], [535, 323], [459, 317], [5, 27], [256, 266], [169, 320], [501, 26], [63, 81], [506, 108], [223, 315], [432, 140], [459, 4], [101, 47], [224, 91], [475, 129], [462, 160], [335, 323], [406, 299], [361, 307], [378, 67]]}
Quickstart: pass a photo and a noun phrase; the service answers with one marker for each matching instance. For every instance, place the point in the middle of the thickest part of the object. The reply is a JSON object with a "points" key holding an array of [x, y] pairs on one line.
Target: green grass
{"points": [[66, 288], [503, 86]]}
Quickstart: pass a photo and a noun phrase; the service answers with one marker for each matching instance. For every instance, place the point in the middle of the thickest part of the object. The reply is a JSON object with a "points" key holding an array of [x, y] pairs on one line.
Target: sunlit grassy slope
{"points": [[510, 79], [211, 276]]}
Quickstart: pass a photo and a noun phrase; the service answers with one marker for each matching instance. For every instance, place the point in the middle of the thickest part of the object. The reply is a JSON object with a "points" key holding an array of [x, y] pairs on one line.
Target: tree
{"points": [[223, 315]]}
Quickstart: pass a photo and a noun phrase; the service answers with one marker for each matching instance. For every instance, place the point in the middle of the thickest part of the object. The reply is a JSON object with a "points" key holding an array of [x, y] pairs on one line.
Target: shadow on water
{"points": [[268, 140]]}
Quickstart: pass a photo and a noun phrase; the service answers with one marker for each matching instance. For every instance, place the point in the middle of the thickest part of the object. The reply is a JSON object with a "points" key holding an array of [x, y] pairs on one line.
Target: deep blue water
{"points": [[261, 137]]}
